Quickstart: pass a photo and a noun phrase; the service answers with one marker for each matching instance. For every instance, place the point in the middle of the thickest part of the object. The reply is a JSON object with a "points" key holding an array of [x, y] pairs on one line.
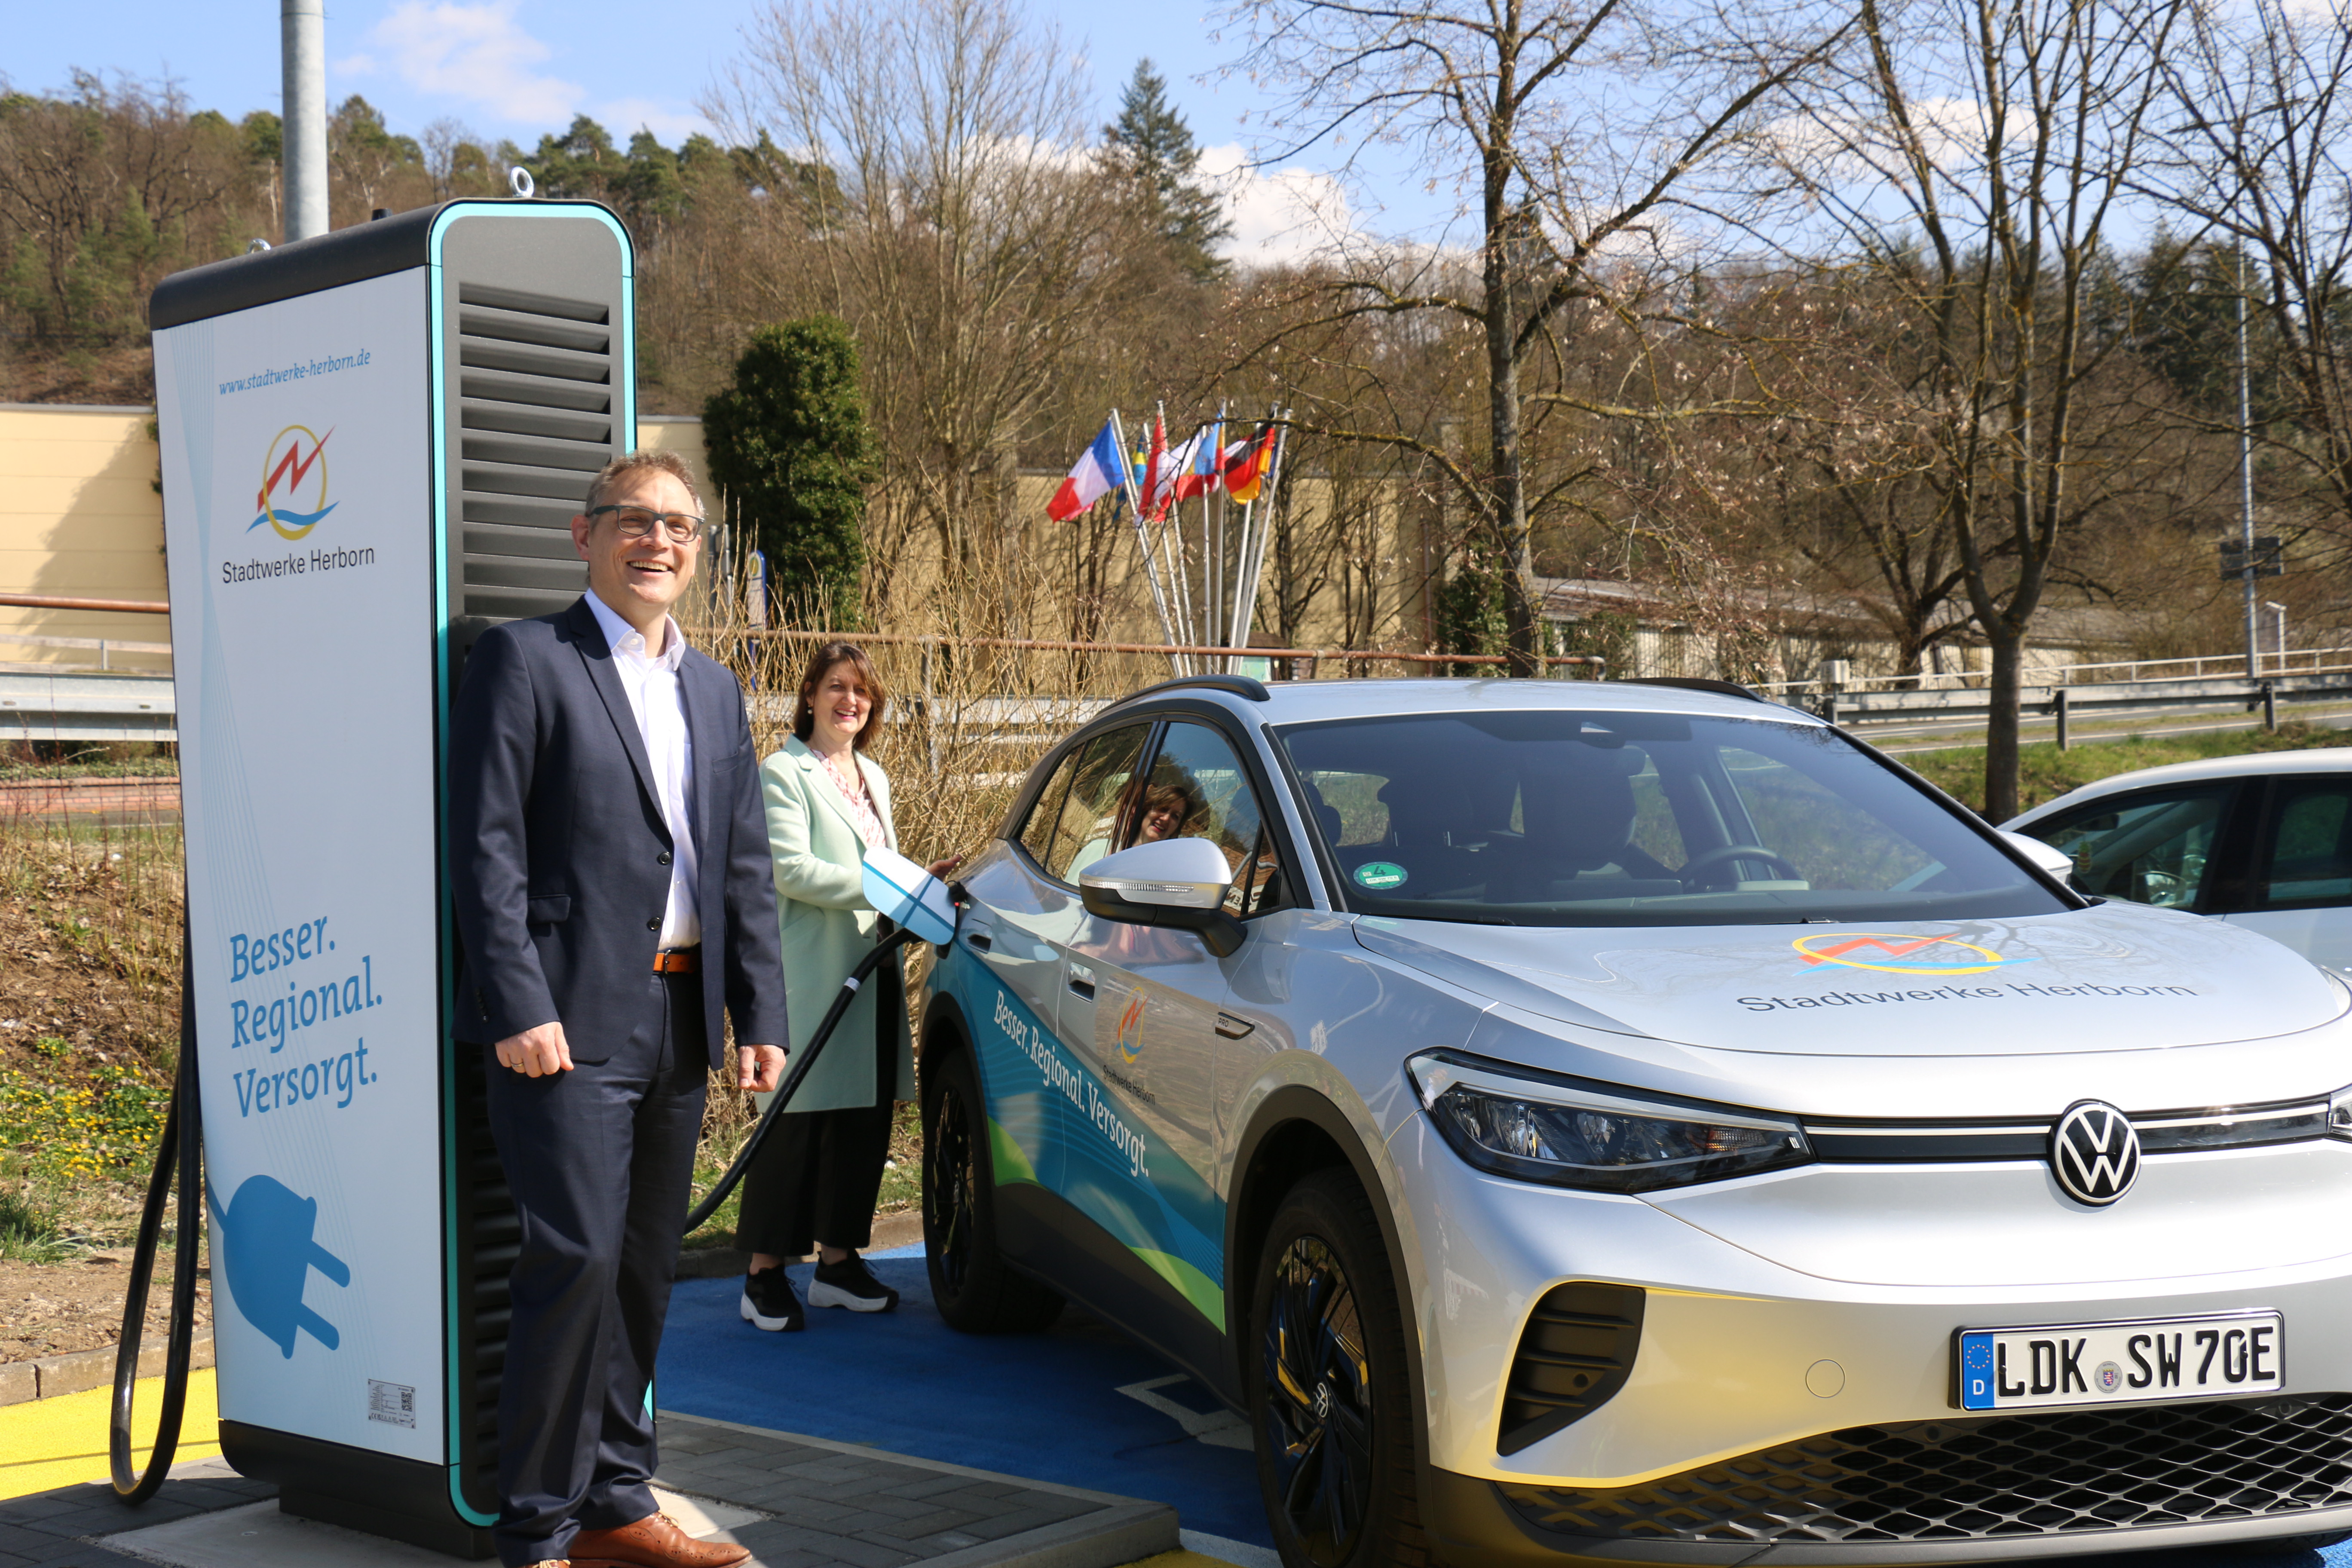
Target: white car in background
{"points": [[2261, 841]]}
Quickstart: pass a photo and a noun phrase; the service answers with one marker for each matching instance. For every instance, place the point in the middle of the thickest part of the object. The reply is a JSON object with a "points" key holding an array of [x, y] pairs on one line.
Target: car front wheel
{"points": [[974, 1289], [1327, 1393]]}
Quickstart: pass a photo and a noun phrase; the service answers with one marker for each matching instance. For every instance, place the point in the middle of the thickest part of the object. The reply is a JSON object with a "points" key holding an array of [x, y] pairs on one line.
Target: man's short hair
{"points": [[619, 469]]}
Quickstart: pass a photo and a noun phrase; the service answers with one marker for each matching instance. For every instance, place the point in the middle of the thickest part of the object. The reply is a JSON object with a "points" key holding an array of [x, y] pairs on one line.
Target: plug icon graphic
{"points": [[268, 1254]]}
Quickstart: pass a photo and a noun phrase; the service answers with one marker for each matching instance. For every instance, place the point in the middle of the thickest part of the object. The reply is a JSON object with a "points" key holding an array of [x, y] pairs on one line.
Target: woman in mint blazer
{"points": [[815, 1182]]}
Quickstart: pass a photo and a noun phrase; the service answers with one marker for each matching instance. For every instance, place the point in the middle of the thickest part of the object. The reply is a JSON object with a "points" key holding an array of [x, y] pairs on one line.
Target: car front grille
{"points": [[2038, 1474]]}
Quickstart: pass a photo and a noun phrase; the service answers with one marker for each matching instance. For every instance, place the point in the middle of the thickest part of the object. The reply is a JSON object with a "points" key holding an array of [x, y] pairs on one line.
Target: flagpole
{"points": [[1225, 614], [1171, 537], [1265, 492], [1142, 542]]}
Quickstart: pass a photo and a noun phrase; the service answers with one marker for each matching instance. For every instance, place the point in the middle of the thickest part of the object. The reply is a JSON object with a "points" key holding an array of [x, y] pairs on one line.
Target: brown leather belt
{"points": [[678, 961]]}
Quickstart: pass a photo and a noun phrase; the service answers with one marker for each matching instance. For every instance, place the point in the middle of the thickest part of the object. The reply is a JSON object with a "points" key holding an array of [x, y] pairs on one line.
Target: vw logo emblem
{"points": [[2095, 1153]]}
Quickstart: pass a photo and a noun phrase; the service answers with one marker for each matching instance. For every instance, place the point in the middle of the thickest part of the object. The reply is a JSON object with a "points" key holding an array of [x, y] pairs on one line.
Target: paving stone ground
{"points": [[819, 1504]]}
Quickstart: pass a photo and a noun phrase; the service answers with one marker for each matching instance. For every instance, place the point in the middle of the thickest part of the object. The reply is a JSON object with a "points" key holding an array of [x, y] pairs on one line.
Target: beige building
{"points": [[81, 517]]}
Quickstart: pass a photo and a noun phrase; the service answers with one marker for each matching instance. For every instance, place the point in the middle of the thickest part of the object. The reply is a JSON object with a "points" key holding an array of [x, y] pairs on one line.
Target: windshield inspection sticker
{"points": [[1380, 874]]}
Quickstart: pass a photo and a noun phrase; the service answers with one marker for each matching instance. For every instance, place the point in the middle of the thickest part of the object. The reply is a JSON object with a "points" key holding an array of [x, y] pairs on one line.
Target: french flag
{"points": [[1100, 470]]}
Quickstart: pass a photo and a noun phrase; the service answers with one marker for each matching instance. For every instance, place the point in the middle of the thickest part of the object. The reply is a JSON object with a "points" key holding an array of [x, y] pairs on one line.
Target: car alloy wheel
{"points": [[1329, 1396], [971, 1285], [947, 1177]]}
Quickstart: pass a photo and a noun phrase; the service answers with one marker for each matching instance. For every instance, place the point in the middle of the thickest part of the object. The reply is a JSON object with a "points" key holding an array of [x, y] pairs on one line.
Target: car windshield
{"points": [[1552, 817]]}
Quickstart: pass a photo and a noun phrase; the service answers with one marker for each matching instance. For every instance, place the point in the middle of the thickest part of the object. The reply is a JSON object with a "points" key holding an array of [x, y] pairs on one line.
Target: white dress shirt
{"points": [[655, 698]]}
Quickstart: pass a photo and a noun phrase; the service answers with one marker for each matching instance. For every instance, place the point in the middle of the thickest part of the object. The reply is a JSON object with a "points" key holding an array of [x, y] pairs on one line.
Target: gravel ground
{"points": [[53, 1309]]}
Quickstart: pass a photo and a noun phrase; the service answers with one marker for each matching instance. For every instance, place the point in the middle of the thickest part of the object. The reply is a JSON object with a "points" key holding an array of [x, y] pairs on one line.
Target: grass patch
{"points": [[729, 1122], [103, 1127], [2045, 773]]}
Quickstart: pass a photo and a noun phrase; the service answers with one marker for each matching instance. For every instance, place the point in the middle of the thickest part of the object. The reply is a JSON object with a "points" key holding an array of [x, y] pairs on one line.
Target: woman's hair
{"points": [[820, 665], [1142, 796]]}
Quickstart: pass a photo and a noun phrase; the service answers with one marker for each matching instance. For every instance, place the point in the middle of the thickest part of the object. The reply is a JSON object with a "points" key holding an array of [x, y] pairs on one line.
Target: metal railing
{"points": [[2114, 698], [2302, 661]]}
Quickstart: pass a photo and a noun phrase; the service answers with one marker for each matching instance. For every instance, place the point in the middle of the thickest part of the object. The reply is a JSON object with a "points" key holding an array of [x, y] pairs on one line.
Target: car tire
{"points": [[1328, 1400], [971, 1285]]}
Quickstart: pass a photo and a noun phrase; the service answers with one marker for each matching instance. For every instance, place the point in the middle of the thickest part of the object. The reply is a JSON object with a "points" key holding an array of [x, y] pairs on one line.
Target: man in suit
{"points": [[614, 895]]}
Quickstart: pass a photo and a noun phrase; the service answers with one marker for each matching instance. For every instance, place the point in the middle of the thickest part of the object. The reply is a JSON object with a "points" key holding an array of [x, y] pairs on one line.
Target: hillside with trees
{"points": [[1917, 325]]}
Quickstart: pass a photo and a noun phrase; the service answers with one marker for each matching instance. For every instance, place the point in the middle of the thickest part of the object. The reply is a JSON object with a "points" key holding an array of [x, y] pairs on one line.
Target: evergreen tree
{"points": [[1151, 148], [790, 447]]}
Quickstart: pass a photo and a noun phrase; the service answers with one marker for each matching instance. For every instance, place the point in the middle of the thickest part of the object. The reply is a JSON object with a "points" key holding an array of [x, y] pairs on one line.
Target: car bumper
{"points": [[1702, 1456]]}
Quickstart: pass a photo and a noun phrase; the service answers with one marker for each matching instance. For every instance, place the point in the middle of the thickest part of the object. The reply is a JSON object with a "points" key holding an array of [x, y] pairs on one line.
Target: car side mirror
{"points": [[1176, 883], [2056, 861]]}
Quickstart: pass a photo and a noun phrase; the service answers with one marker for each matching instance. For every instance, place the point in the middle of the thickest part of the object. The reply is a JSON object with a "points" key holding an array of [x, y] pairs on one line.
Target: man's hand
{"points": [[535, 1053], [758, 1067]]}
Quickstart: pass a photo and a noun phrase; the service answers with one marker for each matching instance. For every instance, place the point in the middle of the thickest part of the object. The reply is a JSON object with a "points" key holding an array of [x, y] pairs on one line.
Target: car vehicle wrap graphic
{"points": [[1053, 1123]]}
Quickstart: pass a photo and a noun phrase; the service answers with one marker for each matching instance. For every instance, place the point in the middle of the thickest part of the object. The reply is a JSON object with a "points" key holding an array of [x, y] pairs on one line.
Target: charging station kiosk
{"points": [[373, 442]]}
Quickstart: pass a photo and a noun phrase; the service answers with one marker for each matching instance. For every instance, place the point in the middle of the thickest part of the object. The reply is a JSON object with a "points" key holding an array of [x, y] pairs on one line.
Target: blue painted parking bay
{"points": [[1081, 1404]]}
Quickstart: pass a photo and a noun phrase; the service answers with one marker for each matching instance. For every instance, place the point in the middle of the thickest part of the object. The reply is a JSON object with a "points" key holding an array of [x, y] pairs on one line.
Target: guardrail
{"points": [[2295, 661], [2112, 698], [86, 707]]}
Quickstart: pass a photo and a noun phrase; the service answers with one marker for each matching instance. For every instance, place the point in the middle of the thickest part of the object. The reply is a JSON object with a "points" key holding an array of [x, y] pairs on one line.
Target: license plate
{"points": [[2116, 1363]]}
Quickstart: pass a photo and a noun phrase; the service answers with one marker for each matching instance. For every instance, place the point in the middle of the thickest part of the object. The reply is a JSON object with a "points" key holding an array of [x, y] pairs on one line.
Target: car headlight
{"points": [[1569, 1133]]}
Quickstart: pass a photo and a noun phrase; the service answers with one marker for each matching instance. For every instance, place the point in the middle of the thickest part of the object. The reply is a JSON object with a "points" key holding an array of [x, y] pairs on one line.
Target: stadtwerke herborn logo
{"points": [[1128, 1038], [1896, 953], [295, 455]]}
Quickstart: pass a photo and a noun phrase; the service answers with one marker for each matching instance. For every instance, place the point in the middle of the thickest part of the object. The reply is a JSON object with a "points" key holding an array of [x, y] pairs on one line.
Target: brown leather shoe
{"points": [[654, 1541]]}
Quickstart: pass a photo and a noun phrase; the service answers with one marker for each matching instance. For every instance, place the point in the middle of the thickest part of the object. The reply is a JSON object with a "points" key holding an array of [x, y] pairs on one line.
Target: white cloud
{"points": [[1280, 216], [477, 53], [624, 117]]}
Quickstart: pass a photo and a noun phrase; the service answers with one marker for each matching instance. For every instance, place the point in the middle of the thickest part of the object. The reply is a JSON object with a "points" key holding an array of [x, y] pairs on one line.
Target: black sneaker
{"points": [[849, 1283], [768, 1302]]}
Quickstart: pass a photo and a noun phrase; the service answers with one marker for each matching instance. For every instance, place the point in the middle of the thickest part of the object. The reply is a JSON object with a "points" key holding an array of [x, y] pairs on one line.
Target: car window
{"points": [[1087, 816], [1825, 838], [2305, 857], [1197, 788], [1561, 818], [1037, 835], [2155, 847]]}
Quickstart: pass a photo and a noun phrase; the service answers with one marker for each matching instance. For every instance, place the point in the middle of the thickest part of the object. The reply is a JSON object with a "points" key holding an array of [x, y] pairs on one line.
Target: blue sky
{"points": [[520, 68]]}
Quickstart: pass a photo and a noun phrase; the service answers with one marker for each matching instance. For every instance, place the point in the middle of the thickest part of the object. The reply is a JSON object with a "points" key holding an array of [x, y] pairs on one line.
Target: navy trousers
{"points": [[600, 1160]]}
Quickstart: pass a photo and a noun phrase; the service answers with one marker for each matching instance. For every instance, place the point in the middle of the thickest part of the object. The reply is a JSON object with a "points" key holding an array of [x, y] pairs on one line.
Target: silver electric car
{"points": [[1635, 1124]]}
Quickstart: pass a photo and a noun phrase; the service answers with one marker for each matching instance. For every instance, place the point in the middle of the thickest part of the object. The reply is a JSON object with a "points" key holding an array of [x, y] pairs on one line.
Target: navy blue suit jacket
{"points": [[560, 859]]}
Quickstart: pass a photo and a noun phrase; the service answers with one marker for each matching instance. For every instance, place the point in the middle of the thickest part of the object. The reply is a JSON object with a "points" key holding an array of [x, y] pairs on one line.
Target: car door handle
{"points": [[1082, 981], [979, 940], [1233, 1028]]}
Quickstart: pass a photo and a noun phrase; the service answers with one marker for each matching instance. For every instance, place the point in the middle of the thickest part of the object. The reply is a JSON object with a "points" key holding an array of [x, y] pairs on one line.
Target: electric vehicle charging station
{"points": [[372, 444]]}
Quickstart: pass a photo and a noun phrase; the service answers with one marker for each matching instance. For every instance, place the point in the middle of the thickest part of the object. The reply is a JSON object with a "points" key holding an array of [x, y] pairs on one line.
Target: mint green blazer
{"points": [[827, 926]]}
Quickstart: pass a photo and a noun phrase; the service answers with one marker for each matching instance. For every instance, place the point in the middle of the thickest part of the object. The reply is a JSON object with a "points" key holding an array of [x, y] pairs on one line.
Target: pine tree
{"points": [[1151, 148], [788, 445]]}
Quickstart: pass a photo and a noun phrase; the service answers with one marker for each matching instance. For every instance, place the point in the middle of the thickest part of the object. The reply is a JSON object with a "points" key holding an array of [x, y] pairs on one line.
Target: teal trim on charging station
{"points": [[624, 366]]}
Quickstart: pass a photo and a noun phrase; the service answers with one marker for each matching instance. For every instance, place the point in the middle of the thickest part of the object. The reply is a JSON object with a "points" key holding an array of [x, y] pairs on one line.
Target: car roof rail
{"points": [[1696, 683], [1238, 685]]}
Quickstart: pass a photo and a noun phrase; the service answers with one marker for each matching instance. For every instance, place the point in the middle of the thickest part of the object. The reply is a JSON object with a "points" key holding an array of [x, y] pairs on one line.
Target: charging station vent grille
{"points": [[536, 419], [490, 1235]]}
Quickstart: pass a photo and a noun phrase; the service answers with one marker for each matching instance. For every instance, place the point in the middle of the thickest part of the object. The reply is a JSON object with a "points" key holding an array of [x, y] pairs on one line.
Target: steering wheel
{"points": [[1699, 864]]}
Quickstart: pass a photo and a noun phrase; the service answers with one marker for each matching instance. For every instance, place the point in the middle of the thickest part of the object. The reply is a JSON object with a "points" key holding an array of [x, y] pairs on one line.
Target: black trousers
{"points": [[601, 1160], [818, 1172]]}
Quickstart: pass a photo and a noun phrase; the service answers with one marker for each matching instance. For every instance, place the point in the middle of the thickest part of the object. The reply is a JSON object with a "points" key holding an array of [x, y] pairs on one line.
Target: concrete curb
{"points": [[78, 1371]]}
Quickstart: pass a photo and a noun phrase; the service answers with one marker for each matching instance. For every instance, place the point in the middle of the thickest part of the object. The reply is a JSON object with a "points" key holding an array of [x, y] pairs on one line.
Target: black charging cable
{"points": [[701, 1214], [183, 1145]]}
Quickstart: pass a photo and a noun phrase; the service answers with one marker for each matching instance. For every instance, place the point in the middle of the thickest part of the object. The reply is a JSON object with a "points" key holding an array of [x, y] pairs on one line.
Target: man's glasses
{"points": [[637, 522]]}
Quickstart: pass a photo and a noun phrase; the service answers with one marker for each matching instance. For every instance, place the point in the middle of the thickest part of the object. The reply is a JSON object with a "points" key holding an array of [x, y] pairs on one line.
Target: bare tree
{"points": [[2003, 133], [1583, 134], [2260, 109], [961, 227]]}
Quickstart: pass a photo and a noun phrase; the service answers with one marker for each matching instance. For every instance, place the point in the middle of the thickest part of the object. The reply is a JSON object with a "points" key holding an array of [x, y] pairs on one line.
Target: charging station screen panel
{"points": [[298, 507]]}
